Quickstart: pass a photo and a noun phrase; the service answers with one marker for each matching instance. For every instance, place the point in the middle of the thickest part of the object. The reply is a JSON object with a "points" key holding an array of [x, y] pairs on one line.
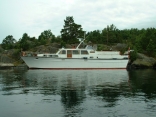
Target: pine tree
{"points": [[71, 31], [151, 48]]}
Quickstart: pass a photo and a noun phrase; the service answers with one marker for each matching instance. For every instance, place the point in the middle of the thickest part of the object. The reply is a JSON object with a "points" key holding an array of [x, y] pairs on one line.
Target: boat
{"points": [[77, 58]]}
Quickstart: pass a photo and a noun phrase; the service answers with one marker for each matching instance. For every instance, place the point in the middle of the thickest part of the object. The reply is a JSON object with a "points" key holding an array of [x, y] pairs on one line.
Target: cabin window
{"points": [[62, 52], [84, 52], [76, 52]]}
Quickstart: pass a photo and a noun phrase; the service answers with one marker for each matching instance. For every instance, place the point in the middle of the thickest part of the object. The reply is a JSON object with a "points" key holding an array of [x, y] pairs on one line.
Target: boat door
{"points": [[69, 53]]}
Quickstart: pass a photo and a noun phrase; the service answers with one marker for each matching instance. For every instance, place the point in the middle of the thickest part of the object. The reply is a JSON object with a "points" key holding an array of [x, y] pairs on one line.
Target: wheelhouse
{"points": [[72, 53]]}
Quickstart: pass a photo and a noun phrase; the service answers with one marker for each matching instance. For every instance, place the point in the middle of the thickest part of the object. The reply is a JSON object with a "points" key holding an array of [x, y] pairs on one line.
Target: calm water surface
{"points": [[78, 93]]}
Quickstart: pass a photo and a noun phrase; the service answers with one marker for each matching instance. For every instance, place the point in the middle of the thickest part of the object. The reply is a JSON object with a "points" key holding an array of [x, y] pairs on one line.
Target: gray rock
{"points": [[119, 46], [144, 61], [4, 58]]}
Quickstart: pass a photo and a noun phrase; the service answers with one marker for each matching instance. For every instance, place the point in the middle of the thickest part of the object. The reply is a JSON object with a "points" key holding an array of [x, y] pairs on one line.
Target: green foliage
{"points": [[24, 45], [138, 46], [111, 35], [63, 44], [100, 47], [133, 55], [16, 54], [41, 40], [108, 35], [104, 36], [58, 39], [151, 48], [71, 31], [8, 42], [94, 36], [46, 37]]}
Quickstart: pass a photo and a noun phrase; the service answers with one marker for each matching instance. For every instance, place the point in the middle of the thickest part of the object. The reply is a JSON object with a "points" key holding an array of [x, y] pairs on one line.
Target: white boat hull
{"points": [[74, 63]]}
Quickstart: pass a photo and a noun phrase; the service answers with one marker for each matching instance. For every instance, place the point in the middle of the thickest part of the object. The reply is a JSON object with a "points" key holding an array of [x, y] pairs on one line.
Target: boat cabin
{"points": [[72, 53]]}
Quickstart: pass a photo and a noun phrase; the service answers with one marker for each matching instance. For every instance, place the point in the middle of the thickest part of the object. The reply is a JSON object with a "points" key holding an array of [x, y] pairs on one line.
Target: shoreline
{"points": [[8, 66]]}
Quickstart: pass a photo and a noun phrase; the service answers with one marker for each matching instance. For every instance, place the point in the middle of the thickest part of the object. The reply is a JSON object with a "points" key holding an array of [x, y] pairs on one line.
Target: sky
{"points": [[34, 16]]}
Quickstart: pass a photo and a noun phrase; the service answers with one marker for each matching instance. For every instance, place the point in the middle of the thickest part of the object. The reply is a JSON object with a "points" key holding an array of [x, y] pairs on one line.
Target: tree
{"points": [[151, 48], [119, 36], [58, 39], [24, 44], [8, 42], [110, 33], [133, 55], [94, 36], [146, 38], [104, 36], [138, 45], [46, 37], [71, 31]]}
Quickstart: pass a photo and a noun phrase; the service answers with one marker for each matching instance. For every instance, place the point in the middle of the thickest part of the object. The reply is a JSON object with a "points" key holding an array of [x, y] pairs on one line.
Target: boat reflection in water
{"points": [[78, 93]]}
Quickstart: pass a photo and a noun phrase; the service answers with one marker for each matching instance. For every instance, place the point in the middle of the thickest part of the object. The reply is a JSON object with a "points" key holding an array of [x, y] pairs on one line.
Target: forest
{"points": [[139, 40]]}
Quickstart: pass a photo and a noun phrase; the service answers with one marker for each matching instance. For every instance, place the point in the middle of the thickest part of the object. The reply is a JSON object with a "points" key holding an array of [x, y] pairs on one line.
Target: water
{"points": [[78, 93]]}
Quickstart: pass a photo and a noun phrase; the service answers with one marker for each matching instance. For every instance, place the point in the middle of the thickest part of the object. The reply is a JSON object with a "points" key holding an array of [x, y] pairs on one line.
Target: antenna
{"points": [[82, 40]]}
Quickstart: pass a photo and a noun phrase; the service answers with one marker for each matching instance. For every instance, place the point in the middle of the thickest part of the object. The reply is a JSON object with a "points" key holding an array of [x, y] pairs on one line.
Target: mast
{"points": [[81, 42]]}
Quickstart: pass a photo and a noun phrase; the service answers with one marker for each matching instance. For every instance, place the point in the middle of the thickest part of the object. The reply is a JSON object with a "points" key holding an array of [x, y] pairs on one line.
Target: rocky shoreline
{"points": [[142, 62], [11, 66]]}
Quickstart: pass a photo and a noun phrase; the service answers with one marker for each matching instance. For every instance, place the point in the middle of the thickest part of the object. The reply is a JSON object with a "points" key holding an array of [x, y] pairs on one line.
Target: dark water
{"points": [[78, 93]]}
